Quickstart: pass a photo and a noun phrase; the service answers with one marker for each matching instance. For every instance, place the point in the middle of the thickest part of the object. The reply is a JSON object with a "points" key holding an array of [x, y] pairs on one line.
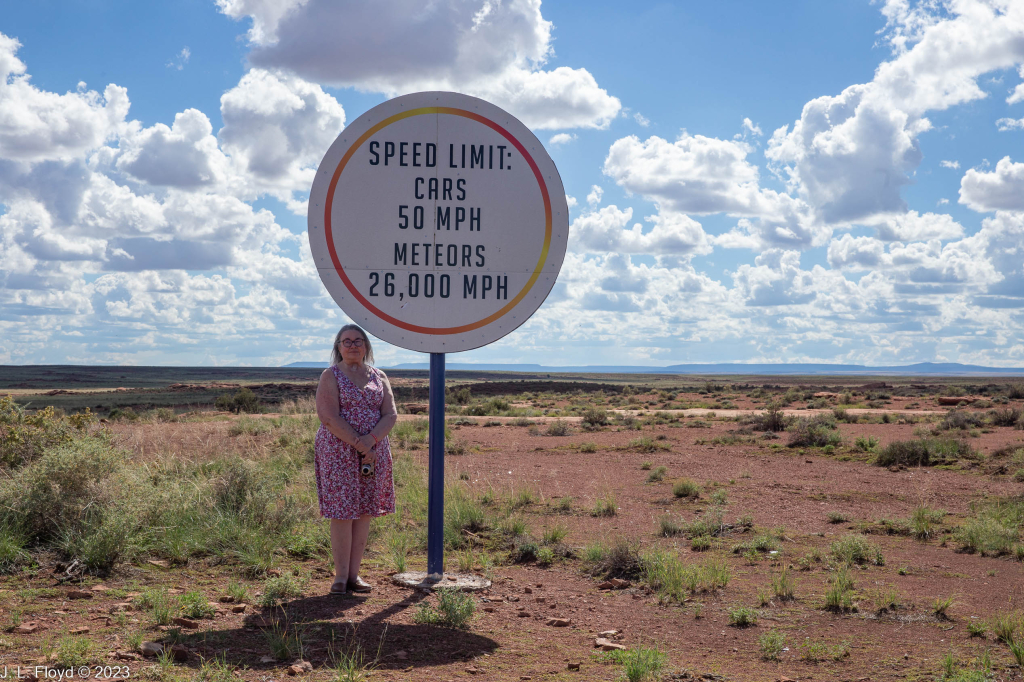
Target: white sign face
{"points": [[438, 222]]}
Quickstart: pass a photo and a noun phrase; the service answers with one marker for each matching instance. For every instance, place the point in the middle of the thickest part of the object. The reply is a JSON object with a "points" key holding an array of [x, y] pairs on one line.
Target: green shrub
{"points": [[818, 431], [594, 418], [559, 427], [621, 560], [605, 506], [639, 663], [866, 444], [12, 551], [959, 420], [854, 549], [1005, 417], [193, 604], [837, 517], [279, 588], [782, 585], [657, 475], [924, 452], [686, 488], [986, 535], [772, 419], [24, 436], [454, 609], [742, 617], [244, 400], [772, 644]]}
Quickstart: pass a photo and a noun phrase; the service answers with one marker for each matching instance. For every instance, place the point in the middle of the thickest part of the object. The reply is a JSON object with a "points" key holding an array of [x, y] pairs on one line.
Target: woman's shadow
{"points": [[327, 630]]}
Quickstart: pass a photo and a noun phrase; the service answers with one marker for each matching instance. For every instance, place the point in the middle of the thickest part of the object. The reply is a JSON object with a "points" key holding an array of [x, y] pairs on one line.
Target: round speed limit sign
{"points": [[438, 222]]}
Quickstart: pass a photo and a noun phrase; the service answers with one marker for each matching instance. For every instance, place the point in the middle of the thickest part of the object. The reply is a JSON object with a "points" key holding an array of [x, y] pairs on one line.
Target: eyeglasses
{"points": [[348, 343]]}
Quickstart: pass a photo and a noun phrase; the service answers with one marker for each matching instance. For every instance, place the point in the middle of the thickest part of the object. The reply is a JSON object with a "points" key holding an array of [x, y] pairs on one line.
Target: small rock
{"points": [[79, 594], [268, 659], [127, 656], [607, 645], [179, 652], [175, 590], [151, 648], [523, 614], [490, 609], [540, 600], [238, 608], [82, 630], [27, 628], [808, 461], [527, 590], [120, 606], [99, 588], [608, 634], [539, 584], [360, 612], [472, 671], [619, 583], [275, 573], [227, 599], [300, 667], [185, 623], [525, 677], [606, 585], [161, 563], [574, 666], [558, 622]]}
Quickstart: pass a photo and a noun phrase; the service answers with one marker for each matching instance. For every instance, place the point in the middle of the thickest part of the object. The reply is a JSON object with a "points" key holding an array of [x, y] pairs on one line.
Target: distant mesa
{"points": [[921, 368]]}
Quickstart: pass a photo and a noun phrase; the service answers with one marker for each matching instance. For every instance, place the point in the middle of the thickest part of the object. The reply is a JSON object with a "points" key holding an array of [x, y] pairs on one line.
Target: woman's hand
{"points": [[364, 446]]}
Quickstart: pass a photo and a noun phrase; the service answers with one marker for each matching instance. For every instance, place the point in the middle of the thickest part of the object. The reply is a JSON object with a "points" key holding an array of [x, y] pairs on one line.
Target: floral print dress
{"points": [[344, 493]]}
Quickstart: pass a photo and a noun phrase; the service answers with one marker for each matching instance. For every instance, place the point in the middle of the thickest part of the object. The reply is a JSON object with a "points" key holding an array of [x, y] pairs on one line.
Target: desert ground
{"points": [[632, 528]]}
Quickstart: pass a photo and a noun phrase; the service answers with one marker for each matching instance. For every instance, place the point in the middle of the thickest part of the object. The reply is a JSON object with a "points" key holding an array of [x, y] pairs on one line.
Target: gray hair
{"points": [[336, 354]]}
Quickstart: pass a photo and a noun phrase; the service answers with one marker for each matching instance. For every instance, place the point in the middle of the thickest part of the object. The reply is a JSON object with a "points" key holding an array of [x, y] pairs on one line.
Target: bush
{"points": [[818, 431], [65, 485], [279, 588], [558, 427], [985, 535], [742, 617], [605, 506], [454, 609], [1007, 417], [686, 488], [193, 604], [959, 420], [594, 418], [459, 396], [1016, 392], [657, 474], [924, 452], [24, 437], [867, 444], [621, 560], [244, 400], [12, 551], [854, 549], [772, 644], [772, 419], [640, 663]]}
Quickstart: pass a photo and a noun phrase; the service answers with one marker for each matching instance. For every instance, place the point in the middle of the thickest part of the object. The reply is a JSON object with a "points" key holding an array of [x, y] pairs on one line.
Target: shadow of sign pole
{"points": [[435, 475]]}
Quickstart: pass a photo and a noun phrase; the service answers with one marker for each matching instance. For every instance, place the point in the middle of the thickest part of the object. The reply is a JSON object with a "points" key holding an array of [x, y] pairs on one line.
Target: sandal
{"points": [[359, 585], [339, 589]]}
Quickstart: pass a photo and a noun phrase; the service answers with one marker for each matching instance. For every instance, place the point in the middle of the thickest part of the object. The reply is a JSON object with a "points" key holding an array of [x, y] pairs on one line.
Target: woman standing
{"points": [[357, 410]]}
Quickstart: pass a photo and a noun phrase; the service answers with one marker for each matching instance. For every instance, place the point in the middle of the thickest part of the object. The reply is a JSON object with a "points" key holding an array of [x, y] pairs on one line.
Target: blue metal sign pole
{"points": [[435, 472]]}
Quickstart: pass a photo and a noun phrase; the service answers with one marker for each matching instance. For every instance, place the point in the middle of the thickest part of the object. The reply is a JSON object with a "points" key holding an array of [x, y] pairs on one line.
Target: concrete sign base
{"points": [[420, 580]]}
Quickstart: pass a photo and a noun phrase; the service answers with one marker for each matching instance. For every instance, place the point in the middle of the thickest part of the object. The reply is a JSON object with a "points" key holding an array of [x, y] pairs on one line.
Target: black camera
{"points": [[366, 469]]}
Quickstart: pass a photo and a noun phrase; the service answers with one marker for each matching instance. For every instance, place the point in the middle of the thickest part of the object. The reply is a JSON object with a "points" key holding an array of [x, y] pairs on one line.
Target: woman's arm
{"points": [[330, 417], [388, 411]]}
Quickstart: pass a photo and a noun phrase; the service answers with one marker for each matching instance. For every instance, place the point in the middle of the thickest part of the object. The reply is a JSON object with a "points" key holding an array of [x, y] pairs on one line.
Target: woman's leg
{"points": [[341, 548], [360, 531]]}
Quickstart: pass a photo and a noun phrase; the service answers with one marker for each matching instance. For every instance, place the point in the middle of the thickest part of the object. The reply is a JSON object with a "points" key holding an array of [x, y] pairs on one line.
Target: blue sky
{"points": [[811, 182]]}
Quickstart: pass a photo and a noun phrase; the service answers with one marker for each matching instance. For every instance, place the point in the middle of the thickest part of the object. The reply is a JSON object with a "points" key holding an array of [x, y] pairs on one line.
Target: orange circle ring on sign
{"points": [[330, 237]]}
